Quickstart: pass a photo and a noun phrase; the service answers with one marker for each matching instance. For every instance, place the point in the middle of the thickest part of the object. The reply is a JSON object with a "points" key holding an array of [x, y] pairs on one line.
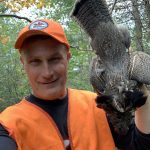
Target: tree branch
{"points": [[113, 6], [11, 15]]}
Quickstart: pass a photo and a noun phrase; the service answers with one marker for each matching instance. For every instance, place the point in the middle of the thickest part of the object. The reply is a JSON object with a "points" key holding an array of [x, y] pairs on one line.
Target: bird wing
{"points": [[88, 13], [93, 16]]}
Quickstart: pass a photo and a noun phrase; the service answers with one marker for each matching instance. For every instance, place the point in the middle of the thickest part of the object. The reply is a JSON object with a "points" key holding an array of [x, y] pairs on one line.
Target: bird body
{"points": [[114, 69]]}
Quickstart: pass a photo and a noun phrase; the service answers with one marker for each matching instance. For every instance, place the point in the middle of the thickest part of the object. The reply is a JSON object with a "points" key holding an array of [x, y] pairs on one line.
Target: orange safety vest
{"points": [[33, 129]]}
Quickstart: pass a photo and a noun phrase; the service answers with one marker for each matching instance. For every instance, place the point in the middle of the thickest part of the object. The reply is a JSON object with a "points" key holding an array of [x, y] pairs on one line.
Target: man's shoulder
{"points": [[82, 96], [13, 109], [85, 99]]}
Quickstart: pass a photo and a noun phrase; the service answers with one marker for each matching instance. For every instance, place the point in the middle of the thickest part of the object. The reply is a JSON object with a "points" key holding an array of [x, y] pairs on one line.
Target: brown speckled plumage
{"points": [[114, 71]]}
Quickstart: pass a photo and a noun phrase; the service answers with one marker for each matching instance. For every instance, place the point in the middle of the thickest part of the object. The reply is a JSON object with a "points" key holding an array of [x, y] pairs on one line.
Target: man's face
{"points": [[45, 62]]}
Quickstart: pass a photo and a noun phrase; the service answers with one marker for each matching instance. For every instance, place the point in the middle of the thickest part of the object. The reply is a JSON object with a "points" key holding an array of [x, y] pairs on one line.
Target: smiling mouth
{"points": [[50, 82]]}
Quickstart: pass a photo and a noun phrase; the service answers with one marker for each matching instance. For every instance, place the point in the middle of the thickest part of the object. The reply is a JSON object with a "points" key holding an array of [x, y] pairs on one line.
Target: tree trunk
{"points": [[138, 25], [147, 10]]}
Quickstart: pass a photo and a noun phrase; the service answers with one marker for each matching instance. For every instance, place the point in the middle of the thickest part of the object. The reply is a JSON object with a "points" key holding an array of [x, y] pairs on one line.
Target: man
{"points": [[54, 117]]}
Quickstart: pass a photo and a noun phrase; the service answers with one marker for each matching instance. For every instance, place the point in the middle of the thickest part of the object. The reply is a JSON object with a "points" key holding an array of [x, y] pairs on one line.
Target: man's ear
{"points": [[21, 60], [68, 55]]}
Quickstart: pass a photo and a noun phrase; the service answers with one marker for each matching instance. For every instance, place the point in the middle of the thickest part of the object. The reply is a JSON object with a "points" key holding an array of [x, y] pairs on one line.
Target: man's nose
{"points": [[47, 70]]}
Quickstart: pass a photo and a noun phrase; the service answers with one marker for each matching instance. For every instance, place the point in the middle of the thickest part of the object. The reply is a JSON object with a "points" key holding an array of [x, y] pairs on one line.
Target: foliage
{"points": [[78, 74], [12, 80], [16, 5]]}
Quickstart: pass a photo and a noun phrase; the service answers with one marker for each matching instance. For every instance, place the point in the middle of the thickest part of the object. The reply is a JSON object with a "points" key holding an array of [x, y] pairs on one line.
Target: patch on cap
{"points": [[38, 25]]}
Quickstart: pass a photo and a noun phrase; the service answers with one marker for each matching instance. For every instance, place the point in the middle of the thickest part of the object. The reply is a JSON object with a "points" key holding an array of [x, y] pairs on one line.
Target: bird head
{"points": [[114, 92]]}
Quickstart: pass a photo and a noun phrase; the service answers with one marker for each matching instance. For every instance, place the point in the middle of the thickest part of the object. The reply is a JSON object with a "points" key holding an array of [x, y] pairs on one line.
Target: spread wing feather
{"points": [[93, 16], [88, 13]]}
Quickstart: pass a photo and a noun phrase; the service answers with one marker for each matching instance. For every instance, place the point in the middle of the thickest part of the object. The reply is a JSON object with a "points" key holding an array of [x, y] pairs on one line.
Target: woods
{"points": [[135, 14]]}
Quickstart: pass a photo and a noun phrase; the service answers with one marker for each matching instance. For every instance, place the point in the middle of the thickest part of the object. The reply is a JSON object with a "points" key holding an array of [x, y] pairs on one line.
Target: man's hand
{"points": [[142, 118]]}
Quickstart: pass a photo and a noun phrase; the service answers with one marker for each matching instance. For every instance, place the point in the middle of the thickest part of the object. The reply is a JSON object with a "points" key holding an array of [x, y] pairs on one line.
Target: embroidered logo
{"points": [[38, 25]]}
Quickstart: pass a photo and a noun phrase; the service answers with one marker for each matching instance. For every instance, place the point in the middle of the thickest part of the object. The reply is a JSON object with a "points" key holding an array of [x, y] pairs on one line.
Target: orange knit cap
{"points": [[42, 27]]}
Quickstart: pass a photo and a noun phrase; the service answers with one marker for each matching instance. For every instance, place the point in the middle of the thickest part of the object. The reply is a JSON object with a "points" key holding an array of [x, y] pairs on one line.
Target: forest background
{"points": [[134, 14]]}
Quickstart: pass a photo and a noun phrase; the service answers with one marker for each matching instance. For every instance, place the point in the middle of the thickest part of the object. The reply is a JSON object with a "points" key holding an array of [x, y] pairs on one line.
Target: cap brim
{"points": [[30, 33]]}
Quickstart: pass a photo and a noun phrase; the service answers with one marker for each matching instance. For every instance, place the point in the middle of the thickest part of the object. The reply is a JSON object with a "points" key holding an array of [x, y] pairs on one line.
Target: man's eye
{"points": [[35, 61], [55, 58]]}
